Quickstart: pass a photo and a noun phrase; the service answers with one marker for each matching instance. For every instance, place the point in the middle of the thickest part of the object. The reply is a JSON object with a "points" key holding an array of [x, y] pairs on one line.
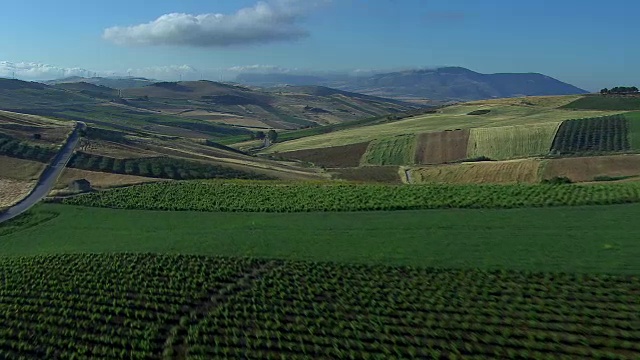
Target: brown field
{"points": [[12, 191], [19, 169], [114, 150], [100, 179], [333, 157], [368, 174], [493, 172], [584, 169], [441, 147]]}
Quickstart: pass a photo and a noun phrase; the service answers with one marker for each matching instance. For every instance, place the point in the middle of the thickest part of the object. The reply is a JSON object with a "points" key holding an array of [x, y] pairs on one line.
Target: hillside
{"points": [[112, 82], [442, 84]]}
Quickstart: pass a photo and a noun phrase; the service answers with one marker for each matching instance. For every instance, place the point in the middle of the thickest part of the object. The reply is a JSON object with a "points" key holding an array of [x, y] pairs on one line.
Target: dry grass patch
{"points": [[100, 179], [494, 172], [19, 169], [583, 169], [12, 191]]}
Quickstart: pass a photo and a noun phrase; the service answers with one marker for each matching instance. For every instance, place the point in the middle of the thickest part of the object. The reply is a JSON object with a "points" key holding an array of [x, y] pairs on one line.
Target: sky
{"points": [[588, 43]]}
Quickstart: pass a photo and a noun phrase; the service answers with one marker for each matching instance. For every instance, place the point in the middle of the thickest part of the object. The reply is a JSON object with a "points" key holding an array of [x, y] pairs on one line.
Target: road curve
{"points": [[48, 178]]}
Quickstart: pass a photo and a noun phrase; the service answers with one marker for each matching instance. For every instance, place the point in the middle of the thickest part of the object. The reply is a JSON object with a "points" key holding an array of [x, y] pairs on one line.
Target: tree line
{"points": [[619, 90]]}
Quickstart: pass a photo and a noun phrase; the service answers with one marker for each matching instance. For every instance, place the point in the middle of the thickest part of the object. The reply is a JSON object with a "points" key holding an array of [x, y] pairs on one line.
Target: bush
{"points": [[557, 180]]}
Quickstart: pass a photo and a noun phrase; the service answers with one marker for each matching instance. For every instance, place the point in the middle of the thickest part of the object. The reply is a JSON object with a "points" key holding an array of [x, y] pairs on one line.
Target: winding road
{"points": [[48, 178]]}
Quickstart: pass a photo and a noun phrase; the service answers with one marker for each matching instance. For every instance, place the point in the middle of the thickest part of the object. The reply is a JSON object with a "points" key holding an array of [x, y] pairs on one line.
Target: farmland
{"points": [[583, 169], [300, 197], [605, 102], [12, 191], [511, 142], [441, 147], [100, 179], [594, 135], [492, 172], [149, 306], [337, 156], [515, 112], [398, 150], [634, 129]]}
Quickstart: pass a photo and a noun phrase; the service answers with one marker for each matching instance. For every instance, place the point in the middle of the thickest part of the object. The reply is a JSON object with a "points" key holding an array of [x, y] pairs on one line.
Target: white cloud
{"points": [[38, 71], [265, 22], [261, 69]]}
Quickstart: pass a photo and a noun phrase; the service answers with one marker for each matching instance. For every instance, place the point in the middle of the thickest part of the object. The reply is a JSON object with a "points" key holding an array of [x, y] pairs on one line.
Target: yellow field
{"points": [[19, 169], [512, 142], [100, 179], [496, 172], [12, 191], [503, 113]]}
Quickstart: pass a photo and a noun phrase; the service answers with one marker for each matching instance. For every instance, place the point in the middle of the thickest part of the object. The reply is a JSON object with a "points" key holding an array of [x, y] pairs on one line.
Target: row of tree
{"points": [[618, 90]]}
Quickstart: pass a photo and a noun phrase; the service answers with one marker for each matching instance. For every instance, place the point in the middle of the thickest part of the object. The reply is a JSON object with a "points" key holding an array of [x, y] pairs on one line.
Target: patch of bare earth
{"points": [[442, 147], [100, 179], [369, 174], [584, 169], [336, 156], [12, 191]]}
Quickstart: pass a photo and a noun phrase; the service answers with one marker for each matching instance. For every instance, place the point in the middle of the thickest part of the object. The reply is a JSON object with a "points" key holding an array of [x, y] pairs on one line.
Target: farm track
{"points": [[176, 342]]}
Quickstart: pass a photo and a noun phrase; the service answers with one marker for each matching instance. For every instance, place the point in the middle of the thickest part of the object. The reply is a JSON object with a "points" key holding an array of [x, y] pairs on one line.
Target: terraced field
{"points": [[398, 150], [489, 172], [511, 142], [442, 147]]}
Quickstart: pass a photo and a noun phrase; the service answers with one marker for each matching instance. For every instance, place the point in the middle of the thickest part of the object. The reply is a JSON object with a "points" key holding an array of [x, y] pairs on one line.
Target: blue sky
{"points": [[588, 43]]}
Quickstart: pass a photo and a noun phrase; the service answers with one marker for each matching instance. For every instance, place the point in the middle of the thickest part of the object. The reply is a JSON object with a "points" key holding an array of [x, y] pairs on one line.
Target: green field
{"points": [[398, 150], [607, 102], [448, 118], [146, 306], [633, 119], [511, 142], [584, 239], [301, 197]]}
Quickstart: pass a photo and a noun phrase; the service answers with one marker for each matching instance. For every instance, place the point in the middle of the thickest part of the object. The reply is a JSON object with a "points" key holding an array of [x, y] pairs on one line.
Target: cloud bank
{"points": [[265, 22], [38, 71]]}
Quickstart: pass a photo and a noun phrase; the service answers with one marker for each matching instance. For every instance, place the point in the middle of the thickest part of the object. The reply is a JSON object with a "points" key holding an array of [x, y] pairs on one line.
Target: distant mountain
{"points": [[111, 82], [443, 84]]}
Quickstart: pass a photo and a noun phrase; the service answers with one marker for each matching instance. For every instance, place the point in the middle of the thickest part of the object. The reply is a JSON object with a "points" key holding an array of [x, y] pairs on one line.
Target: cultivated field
{"points": [[100, 179], [294, 197], [20, 169], [159, 306], [583, 169], [12, 191], [397, 150], [511, 142], [484, 172], [369, 174], [607, 102], [441, 147], [633, 120], [334, 157], [449, 118], [594, 135]]}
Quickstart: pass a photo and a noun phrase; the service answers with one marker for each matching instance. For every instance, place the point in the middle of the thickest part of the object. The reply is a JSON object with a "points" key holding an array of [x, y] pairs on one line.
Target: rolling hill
{"points": [[442, 84]]}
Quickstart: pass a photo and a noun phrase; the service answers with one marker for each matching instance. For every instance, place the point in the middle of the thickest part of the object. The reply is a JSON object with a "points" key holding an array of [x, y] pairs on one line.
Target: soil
{"points": [[442, 147]]}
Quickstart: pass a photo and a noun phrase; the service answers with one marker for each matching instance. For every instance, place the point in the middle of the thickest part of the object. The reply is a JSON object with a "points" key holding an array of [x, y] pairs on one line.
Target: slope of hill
{"points": [[112, 82], [447, 83]]}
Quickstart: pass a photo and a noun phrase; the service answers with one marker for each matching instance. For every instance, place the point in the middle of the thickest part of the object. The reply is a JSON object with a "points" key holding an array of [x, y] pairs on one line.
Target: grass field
{"points": [[100, 179], [511, 142], [491, 172], [585, 239], [12, 191], [398, 150], [449, 118], [583, 169], [607, 102], [20, 169], [633, 120]]}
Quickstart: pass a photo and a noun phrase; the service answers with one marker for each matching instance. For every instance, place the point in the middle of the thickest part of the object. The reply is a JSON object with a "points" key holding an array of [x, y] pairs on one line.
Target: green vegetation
{"points": [[613, 178], [620, 90], [594, 239], [12, 147], [605, 102], [633, 120], [511, 142], [398, 150], [158, 167], [592, 136], [154, 306], [282, 197]]}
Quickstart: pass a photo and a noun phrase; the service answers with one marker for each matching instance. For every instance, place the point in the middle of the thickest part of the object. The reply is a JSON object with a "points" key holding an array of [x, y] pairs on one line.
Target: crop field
{"points": [[442, 147], [101, 179], [634, 129], [369, 174], [606, 102], [256, 197], [160, 306], [510, 142], [451, 117], [482, 172], [12, 191], [333, 157], [582, 169], [159, 167], [398, 150], [593, 135], [20, 169]]}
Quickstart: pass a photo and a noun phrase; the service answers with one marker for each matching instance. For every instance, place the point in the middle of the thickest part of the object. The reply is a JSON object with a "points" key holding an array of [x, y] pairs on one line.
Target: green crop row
{"points": [[158, 167], [146, 306], [273, 197]]}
